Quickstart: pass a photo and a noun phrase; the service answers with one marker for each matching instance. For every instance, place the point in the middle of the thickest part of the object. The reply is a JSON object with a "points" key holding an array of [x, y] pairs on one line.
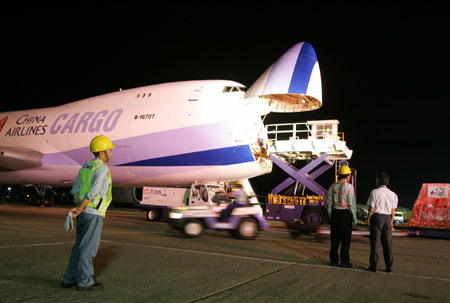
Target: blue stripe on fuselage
{"points": [[303, 69], [221, 156]]}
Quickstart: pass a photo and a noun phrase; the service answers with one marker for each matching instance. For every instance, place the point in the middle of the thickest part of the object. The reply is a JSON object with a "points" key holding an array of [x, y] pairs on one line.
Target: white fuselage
{"points": [[166, 134]]}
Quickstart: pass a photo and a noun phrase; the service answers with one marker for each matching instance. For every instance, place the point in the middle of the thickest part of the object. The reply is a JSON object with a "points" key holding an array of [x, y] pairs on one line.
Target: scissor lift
{"points": [[320, 145]]}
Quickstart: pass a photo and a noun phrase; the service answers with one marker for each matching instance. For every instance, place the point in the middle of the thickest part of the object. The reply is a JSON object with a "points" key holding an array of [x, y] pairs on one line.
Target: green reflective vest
{"points": [[86, 182]]}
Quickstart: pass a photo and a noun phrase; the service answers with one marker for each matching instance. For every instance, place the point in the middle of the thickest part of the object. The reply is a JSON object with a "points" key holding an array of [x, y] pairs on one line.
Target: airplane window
{"points": [[143, 95], [228, 89]]}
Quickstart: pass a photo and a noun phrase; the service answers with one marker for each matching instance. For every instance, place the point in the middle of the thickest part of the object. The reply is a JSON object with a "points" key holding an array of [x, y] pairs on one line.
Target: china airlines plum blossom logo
{"points": [[438, 191], [2, 123]]}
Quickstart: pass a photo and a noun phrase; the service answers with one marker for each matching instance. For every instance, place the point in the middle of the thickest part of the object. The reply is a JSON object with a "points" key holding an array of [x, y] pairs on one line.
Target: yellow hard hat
{"points": [[345, 170], [101, 143]]}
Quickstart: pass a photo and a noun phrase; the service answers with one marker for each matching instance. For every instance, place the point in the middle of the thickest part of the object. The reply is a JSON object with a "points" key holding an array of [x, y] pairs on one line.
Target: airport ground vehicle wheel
{"points": [[313, 216], [153, 214], [193, 228], [247, 229], [48, 201]]}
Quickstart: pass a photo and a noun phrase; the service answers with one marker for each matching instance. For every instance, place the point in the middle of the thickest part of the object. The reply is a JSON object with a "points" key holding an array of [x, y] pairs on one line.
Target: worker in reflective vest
{"points": [[342, 212], [92, 194]]}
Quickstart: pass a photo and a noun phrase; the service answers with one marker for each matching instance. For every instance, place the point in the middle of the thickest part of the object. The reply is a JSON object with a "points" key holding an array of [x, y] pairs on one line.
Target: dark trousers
{"points": [[226, 213], [341, 234], [380, 227]]}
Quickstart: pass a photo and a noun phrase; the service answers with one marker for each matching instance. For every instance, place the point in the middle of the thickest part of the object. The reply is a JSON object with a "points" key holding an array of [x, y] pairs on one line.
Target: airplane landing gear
{"points": [[39, 195]]}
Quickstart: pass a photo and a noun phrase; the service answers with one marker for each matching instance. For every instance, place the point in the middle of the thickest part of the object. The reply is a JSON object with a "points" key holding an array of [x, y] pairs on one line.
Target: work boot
{"points": [[67, 285], [95, 286]]}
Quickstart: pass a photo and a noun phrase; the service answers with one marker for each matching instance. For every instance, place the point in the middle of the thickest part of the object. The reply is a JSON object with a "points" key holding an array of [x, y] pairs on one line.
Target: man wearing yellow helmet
{"points": [[92, 193], [342, 211]]}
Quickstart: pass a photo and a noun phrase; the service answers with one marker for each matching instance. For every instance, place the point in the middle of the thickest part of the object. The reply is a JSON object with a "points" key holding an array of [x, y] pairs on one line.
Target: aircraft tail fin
{"points": [[292, 83]]}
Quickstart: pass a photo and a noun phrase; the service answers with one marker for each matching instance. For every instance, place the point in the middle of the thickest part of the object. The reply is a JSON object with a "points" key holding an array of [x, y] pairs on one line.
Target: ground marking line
{"points": [[37, 244], [202, 252], [240, 284], [234, 256], [313, 256], [378, 272], [325, 266]]}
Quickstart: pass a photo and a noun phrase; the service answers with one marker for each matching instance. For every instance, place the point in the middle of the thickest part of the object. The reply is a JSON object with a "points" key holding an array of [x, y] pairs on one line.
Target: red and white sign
{"points": [[3, 122]]}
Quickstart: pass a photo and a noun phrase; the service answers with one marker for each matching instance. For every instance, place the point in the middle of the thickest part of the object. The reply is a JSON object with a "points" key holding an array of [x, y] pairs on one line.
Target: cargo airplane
{"points": [[165, 134]]}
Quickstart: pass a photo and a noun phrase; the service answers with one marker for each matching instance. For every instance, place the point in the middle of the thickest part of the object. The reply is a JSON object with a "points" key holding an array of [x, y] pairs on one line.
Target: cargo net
{"points": [[432, 207]]}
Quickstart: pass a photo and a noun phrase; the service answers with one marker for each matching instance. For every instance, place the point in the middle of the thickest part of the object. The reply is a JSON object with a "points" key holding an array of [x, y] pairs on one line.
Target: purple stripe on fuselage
{"points": [[161, 145], [221, 156]]}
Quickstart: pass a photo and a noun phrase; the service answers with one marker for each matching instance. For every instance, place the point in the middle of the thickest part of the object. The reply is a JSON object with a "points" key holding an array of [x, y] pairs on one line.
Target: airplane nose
{"points": [[291, 84]]}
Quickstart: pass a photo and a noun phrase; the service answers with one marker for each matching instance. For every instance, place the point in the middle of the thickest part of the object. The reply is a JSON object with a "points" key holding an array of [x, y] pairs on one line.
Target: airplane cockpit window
{"points": [[229, 89]]}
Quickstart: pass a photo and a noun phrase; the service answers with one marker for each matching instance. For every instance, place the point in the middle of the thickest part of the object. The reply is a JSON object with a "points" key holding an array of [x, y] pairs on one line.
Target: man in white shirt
{"points": [[382, 204]]}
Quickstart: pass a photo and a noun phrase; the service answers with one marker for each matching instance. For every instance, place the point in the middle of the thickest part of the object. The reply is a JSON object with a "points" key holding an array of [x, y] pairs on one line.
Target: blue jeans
{"points": [[80, 268]]}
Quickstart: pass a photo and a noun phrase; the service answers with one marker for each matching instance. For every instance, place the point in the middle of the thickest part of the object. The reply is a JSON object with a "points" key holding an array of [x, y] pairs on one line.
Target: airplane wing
{"points": [[17, 158]]}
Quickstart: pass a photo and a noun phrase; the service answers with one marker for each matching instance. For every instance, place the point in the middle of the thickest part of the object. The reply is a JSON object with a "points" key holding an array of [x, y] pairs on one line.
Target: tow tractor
{"points": [[244, 222]]}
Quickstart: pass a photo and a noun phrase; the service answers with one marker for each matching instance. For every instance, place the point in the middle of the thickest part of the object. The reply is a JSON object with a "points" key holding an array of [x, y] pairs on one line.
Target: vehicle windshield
{"points": [[217, 194]]}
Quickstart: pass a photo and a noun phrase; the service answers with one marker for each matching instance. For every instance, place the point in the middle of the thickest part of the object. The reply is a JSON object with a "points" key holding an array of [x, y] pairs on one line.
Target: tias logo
{"points": [[2, 123]]}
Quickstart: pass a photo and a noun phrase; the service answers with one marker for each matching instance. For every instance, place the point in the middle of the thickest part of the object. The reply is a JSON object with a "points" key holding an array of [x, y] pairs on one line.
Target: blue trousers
{"points": [[81, 268]]}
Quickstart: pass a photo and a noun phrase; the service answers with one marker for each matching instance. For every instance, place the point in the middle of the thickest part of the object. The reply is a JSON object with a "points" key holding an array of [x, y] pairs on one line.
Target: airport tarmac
{"points": [[141, 261]]}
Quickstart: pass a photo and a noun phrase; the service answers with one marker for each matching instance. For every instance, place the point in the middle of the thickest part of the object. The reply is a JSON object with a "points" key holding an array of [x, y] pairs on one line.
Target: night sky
{"points": [[384, 75]]}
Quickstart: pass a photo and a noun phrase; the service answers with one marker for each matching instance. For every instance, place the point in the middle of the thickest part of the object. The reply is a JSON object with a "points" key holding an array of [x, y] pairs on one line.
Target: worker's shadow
{"points": [[105, 255]]}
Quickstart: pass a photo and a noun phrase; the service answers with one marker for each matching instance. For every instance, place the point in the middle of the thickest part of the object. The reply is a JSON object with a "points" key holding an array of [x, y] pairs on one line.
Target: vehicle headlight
{"points": [[175, 215]]}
